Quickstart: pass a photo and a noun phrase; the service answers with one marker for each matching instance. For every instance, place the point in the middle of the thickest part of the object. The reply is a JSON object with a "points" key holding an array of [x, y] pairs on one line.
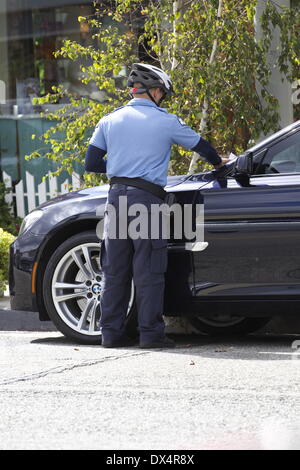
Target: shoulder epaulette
{"points": [[108, 114]]}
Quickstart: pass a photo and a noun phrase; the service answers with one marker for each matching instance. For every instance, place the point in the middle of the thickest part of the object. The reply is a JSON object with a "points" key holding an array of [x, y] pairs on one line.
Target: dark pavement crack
{"points": [[60, 369]]}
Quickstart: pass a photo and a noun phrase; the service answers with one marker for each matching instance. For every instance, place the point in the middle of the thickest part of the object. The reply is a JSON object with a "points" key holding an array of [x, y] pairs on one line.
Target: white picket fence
{"points": [[25, 191]]}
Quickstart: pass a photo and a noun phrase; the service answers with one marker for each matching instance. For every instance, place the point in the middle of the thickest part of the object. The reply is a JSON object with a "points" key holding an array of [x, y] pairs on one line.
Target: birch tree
{"points": [[204, 118]]}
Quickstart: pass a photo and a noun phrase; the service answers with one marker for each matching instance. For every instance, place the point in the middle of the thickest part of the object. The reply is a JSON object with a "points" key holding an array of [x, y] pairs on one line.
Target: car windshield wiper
{"points": [[226, 170]]}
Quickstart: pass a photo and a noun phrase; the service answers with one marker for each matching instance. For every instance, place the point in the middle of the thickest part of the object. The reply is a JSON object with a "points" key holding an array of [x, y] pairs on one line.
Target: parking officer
{"points": [[138, 138]]}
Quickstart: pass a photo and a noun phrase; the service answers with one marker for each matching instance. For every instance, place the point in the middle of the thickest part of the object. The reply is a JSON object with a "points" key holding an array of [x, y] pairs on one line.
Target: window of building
{"points": [[30, 31]]}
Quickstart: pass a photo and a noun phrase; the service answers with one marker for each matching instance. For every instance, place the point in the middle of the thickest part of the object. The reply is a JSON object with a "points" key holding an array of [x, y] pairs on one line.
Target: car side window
{"points": [[283, 157]]}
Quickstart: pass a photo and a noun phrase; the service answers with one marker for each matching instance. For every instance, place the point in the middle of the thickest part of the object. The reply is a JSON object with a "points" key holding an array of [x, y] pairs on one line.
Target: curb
{"points": [[15, 320]]}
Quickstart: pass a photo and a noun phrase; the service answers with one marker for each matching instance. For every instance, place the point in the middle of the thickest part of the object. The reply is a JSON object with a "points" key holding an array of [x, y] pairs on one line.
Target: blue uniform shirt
{"points": [[138, 138]]}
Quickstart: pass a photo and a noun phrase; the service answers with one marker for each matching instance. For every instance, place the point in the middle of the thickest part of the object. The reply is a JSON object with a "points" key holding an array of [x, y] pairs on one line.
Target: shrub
{"points": [[5, 240], [7, 220]]}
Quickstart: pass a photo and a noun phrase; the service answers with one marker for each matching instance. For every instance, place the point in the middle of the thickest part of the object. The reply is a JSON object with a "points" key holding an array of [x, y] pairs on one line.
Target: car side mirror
{"points": [[244, 164]]}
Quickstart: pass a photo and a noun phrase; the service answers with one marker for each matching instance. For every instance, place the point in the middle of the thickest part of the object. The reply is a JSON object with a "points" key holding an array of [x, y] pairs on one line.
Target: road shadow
{"points": [[62, 341], [262, 347]]}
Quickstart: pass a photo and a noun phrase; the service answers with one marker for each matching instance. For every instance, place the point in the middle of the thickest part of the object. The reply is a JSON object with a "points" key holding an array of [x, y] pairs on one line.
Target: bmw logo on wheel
{"points": [[96, 289]]}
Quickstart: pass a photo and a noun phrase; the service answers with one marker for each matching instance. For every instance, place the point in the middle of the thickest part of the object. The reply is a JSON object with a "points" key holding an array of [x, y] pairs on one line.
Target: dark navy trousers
{"points": [[143, 260]]}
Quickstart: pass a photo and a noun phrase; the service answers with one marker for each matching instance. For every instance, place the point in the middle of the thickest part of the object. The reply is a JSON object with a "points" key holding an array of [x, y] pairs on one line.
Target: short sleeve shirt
{"points": [[138, 138]]}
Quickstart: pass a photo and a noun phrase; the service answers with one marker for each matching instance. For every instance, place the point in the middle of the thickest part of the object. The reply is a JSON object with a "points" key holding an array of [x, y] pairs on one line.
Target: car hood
{"points": [[174, 184]]}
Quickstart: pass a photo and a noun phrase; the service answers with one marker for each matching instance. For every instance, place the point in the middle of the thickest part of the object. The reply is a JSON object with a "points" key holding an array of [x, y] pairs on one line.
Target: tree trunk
{"points": [[279, 86], [203, 122], [168, 61], [178, 6]]}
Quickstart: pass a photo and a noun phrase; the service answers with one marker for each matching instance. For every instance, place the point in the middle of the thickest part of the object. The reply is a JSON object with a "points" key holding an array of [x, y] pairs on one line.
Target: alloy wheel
{"points": [[77, 284]]}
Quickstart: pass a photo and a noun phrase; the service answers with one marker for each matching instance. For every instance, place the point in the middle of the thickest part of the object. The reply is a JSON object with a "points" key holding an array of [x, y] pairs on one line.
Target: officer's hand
{"points": [[224, 160]]}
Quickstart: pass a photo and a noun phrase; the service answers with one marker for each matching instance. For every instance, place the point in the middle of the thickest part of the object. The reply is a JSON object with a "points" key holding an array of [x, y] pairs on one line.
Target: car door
{"points": [[253, 232]]}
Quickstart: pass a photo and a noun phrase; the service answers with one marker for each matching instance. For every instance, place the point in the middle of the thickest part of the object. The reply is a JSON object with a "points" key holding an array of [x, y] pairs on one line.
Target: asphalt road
{"points": [[205, 394]]}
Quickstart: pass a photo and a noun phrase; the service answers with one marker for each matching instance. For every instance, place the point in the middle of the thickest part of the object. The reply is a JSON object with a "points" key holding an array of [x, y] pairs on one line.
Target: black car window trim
{"points": [[258, 159], [270, 151]]}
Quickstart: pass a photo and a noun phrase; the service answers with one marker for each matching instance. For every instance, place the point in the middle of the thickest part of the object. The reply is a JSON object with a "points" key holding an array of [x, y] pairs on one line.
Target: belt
{"points": [[140, 183]]}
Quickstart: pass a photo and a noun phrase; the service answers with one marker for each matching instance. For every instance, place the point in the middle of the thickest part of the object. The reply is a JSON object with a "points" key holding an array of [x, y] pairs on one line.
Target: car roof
{"points": [[273, 137]]}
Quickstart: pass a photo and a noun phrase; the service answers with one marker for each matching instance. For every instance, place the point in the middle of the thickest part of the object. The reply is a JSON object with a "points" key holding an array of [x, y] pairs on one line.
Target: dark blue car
{"points": [[248, 270]]}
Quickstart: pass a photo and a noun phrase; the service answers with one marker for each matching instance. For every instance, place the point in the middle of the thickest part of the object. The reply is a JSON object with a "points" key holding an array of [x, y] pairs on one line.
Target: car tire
{"points": [[237, 326], [75, 311]]}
